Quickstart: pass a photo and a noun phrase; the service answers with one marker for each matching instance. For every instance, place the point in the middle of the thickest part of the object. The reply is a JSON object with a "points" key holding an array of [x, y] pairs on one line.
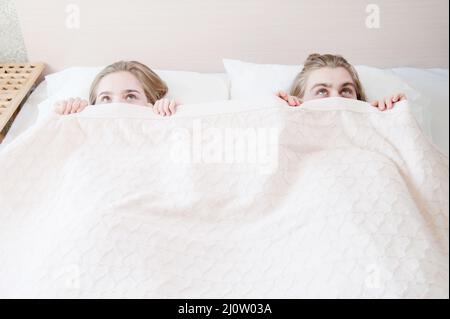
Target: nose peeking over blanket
{"points": [[228, 200]]}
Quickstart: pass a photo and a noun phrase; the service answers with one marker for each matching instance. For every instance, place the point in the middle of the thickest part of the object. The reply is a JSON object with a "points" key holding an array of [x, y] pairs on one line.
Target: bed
{"points": [[413, 59]]}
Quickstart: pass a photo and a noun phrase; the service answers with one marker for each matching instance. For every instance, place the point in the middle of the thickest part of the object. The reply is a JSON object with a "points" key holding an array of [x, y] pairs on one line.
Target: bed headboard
{"points": [[197, 34]]}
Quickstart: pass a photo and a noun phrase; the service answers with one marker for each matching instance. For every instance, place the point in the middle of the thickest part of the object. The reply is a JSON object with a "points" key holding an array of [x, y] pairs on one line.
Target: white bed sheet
{"points": [[432, 83]]}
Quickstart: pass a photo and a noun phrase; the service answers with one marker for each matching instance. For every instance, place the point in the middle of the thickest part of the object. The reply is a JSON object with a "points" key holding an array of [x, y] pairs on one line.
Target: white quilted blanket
{"points": [[227, 200]]}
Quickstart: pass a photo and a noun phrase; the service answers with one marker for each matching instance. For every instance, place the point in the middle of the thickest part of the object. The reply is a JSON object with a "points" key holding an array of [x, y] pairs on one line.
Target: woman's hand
{"points": [[70, 106], [388, 102], [165, 107], [291, 100]]}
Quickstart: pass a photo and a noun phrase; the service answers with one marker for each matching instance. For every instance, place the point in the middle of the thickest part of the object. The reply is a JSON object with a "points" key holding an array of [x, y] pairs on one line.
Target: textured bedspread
{"points": [[227, 200]]}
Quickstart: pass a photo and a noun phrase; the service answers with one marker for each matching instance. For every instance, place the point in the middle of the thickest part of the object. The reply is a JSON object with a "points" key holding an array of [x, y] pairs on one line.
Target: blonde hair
{"points": [[154, 88], [317, 61]]}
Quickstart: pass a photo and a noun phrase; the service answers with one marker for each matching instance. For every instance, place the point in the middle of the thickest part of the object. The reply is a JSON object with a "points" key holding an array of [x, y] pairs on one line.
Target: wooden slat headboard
{"points": [[197, 34]]}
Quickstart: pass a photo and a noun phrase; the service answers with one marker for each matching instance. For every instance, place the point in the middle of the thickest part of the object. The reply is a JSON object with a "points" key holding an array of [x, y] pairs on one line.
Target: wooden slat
{"points": [[16, 81]]}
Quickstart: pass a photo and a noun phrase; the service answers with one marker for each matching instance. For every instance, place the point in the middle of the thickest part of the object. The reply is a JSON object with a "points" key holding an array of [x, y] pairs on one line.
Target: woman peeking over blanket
{"points": [[124, 82], [331, 76]]}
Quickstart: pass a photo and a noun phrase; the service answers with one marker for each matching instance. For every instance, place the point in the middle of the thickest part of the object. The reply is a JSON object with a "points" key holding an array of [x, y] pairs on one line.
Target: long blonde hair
{"points": [[317, 61], [154, 88]]}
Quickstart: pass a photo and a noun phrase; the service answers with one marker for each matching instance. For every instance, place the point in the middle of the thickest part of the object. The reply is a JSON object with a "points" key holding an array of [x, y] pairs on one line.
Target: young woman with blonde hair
{"points": [[124, 82], [331, 76]]}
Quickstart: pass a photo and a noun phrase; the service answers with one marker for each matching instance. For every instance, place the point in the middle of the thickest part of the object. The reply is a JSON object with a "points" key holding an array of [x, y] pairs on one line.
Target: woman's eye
{"points": [[105, 99], [347, 92], [322, 92], [130, 97]]}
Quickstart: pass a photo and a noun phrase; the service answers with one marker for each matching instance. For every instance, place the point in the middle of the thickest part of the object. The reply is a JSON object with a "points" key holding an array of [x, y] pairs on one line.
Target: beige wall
{"points": [[197, 34]]}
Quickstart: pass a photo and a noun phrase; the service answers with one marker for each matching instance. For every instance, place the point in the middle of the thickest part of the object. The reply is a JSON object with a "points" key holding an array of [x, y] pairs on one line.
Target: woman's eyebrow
{"points": [[131, 91], [327, 85], [105, 93]]}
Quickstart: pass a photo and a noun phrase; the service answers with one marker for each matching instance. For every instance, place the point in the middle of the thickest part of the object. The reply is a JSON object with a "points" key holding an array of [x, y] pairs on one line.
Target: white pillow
{"points": [[251, 80], [248, 80], [184, 87], [71, 82]]}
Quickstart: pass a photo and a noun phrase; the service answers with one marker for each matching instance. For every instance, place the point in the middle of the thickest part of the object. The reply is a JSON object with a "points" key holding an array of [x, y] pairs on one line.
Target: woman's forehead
{"points": [[119, 81], [330, 75]]}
